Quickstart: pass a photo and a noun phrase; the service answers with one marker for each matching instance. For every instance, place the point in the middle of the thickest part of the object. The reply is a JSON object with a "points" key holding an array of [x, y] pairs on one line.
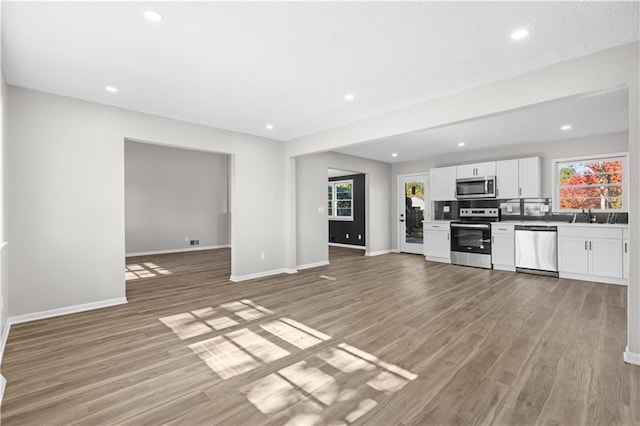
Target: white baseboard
{"points": [[3, 341], [3, 384], [395, 251], [238, 278], [377, 253], [290, 271], [593, 278], [313, 265], [66, 310], [631, 357], [180, 250], [351, 246]]}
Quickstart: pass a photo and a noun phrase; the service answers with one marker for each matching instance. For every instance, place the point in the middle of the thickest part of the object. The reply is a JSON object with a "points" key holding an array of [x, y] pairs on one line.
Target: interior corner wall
{"points": [[4, 245], [548, 151], [173, 196], [65, 177], [311, 194]]}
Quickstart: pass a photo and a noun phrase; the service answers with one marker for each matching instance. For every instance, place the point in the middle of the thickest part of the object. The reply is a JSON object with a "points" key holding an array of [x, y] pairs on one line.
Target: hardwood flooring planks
{"points": [[431, 344]]}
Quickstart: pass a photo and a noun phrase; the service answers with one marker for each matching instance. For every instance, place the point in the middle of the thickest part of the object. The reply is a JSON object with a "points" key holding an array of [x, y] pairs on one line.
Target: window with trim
{"points": [[340, 206], [596, 183]]}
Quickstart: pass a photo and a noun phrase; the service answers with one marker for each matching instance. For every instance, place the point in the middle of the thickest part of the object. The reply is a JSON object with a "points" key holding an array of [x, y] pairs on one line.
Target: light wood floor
{"points": [[390, 340]]}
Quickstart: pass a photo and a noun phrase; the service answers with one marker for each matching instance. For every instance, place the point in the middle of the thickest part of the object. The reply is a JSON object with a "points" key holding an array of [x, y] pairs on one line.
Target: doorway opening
{"points": [[177, 212]]}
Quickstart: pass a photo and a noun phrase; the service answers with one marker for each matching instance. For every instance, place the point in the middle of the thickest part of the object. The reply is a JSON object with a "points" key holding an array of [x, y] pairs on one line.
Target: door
{"points": [[529, 177], [466, 171], [605, 257], [414, 208], [442, 184], [572, 255], [503, 249], [507, 179]]}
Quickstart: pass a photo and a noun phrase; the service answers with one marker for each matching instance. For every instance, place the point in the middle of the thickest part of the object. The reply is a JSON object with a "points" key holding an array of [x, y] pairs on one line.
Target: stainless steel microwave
{"points": [[476, 187]]}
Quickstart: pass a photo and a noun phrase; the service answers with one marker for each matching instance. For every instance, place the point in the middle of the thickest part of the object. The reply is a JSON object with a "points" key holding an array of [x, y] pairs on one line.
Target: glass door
{"points": [[414, 208]]}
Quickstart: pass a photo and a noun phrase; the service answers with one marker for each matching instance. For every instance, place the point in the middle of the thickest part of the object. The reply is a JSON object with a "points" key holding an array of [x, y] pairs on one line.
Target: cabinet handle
{"points": [[625, 247], [589, 245], [435, 226], [497, 192], [519, 192], [447, 236], [585, 245], [492, 240]]}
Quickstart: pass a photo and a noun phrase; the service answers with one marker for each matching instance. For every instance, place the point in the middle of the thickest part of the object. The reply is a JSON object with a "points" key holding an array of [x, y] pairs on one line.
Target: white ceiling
{"points": [[587, 115], [239, 65], [338, 172]]}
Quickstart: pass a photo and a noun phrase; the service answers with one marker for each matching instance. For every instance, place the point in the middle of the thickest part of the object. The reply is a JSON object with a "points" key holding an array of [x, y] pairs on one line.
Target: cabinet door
{"points": [[503, 249], [529, 178], [466, 171], [507, 179], [486, 169], [625, 259], [437, 244], [442, 182], [605, 257], [573, 255]]}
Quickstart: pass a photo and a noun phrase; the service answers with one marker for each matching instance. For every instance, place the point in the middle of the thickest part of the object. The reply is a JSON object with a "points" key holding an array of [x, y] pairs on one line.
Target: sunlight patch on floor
{"points": [[135, 271]]}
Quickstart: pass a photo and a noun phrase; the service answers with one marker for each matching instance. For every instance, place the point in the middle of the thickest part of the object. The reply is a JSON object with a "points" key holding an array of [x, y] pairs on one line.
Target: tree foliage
{"points": [[595, 185]]}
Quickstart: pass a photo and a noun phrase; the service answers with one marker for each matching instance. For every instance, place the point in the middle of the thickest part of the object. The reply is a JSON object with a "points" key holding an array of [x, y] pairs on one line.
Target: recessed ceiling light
{"points": [[460, 143], [153, 16], [520, 34], [269, 127], [565, 127], [349, 97], [111, 89], [394, 154]]}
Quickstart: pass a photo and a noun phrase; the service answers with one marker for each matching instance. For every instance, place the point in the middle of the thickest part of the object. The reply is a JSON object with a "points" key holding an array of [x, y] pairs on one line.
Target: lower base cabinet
{"points": [[503, 247], [437, 241], [591, 253]]}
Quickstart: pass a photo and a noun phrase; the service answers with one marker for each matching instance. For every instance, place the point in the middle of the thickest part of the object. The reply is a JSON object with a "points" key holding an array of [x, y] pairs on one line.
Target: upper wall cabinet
{"points": [[519, 178], [442, 182], [478, 169]]}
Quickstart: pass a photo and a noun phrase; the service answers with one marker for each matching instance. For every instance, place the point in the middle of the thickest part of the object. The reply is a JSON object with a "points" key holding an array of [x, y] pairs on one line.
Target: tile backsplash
{"points": [[521, 209]]}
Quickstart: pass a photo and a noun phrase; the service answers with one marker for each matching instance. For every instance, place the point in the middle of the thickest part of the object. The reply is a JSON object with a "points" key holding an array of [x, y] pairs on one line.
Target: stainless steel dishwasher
{"points": [[537, 249]]}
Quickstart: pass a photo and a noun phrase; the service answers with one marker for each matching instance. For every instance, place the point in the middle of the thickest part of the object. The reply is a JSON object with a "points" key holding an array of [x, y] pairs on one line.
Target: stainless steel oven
{"points": [[476, 187], [471, 237]]}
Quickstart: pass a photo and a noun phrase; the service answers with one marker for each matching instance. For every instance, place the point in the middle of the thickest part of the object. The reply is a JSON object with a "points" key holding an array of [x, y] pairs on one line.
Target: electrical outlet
{"points": [[544, 208], [359, 236], [320, 209], [193, 242], [509, 208], [446, 209], [186, 238], [197, 242], [263, 256], [347, 236]]}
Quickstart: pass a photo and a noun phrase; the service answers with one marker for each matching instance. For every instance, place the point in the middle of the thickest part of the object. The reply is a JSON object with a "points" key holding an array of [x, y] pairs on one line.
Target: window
{"points": [[596, 183], [340, 200]]}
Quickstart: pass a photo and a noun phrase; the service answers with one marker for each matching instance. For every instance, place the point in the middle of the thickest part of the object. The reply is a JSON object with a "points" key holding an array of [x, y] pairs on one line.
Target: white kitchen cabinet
{"points": [[625, 254], [477, 169], [507, 184], [591, 253], [442, 182], [437, 241], [529, 178], [503, 246], [519, 178]]}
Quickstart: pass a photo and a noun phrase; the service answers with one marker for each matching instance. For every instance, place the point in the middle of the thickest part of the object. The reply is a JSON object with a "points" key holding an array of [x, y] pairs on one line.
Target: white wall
{"points": [[548, 151], [311, 183], [66, 197], [605, 70], [173, 193], [4, 247]]}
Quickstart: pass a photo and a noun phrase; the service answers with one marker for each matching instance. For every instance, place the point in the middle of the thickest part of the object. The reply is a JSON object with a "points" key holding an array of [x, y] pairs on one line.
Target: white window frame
{"points": [[334, 200], [624, 156]]}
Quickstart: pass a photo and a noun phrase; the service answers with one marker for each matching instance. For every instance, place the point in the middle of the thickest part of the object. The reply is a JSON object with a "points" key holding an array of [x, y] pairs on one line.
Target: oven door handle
{"points": [[470, 225]]}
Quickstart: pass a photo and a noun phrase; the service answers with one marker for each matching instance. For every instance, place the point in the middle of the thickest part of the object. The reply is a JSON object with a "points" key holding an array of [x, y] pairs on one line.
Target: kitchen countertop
{"points": [[544, 223], [559, 223]]}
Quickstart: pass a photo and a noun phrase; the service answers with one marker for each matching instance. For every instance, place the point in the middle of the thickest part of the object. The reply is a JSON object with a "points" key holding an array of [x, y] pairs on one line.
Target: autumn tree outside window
{"points": [[590, 183]]}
